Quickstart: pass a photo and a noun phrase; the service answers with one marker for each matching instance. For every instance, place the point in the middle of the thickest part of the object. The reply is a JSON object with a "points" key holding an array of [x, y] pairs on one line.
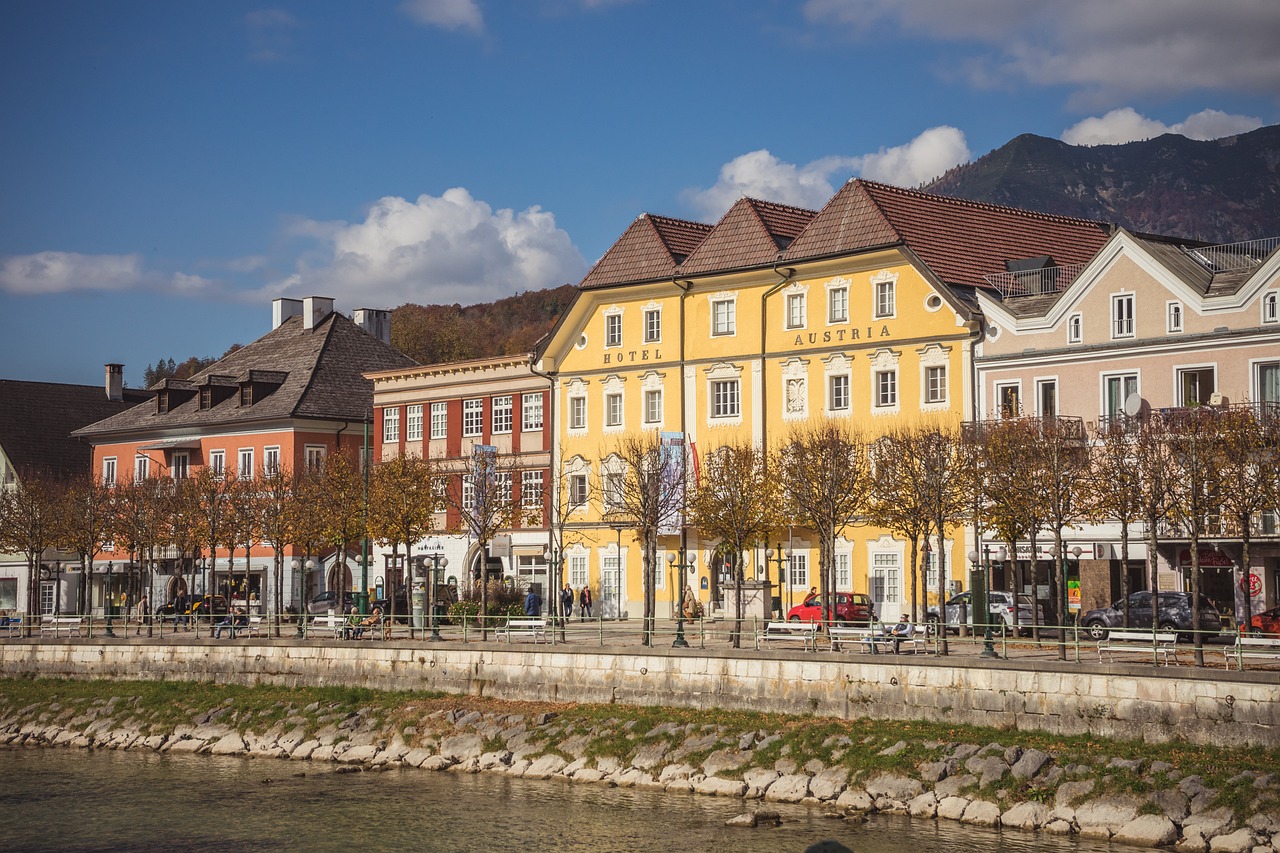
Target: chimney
{"points": [[282, 309], [115, 383], [314, 310], [374, 321]]}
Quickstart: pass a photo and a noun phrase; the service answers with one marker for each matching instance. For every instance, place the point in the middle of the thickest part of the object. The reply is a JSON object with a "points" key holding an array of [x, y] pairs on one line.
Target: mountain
{"points": [[1222, 190]]}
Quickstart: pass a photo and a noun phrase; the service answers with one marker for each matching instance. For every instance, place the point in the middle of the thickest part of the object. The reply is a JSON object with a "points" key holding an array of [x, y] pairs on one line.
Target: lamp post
{"points": [[438, 562], [301, 599], [57, 588], [979, 583], [680, 562], [106, 599], [783, 554]]}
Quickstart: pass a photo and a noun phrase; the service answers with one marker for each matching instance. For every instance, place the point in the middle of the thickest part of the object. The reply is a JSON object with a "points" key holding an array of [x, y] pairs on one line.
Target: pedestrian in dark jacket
{"points": [[532, 603], [566, 601]]}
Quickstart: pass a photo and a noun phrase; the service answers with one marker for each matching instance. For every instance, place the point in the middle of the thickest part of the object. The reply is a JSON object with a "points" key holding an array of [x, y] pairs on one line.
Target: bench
{"points": [[805, 633], [252, 627], [56, 625], [380, 629], [535, 628], [876, 638], [331, 625], [1160, 644], [11, 626], [1245, 646]]}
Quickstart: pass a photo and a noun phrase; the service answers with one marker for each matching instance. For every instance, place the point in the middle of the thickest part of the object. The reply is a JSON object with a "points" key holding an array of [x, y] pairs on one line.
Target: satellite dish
{"points": [[1132, 405]]}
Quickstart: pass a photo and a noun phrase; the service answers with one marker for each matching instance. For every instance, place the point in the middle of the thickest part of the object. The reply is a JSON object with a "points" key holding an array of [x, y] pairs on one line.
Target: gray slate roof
{"points": [[320, 375], [37, 419]]}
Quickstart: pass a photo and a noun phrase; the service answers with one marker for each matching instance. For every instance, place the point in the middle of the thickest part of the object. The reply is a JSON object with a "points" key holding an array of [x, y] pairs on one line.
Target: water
{"points": [[75, 800]]}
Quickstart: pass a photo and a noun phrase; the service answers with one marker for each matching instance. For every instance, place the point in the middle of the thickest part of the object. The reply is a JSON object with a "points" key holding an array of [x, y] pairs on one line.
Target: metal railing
{"points": [[1234, 257], [1034, 282]]}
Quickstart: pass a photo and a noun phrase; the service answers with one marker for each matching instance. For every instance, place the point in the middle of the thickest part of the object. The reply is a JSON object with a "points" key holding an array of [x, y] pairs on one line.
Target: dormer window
{"points": [[206, 398], [246, 394], [162, 402]]}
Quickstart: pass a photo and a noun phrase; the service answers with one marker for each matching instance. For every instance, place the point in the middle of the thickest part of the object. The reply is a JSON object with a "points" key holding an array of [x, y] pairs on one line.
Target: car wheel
{"points": [[1183, 637], [794, 619], [1096, 630]]}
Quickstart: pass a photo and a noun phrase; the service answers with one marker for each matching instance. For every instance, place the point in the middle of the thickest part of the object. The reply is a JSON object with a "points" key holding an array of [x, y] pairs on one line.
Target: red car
{"points": [[1266, 622], [850, 607]]}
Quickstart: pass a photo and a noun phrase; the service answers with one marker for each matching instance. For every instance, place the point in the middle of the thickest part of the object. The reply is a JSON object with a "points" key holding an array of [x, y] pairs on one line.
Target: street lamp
{"points": [[680, 562], [57, 589], [107, 599], [783, 555]]}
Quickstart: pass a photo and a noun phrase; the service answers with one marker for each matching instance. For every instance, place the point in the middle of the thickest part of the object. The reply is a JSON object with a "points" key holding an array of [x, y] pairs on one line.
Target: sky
{"points": [[167, 169]]}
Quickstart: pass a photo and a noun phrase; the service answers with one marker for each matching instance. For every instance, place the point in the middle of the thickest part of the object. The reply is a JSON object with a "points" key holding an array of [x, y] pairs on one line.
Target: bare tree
{"points": [[1115, 487], [738, 502], [1154, 466], [84, 525], [274, 492], [29, 519], [403, 502], [1063, 449], [649, 492], [826, 475], [1010, 494], [340, 501], [899, 496], [1249, 466]]}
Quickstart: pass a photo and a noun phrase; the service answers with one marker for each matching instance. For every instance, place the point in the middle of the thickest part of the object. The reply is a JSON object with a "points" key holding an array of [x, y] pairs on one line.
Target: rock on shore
{"points": [[985, 785]]}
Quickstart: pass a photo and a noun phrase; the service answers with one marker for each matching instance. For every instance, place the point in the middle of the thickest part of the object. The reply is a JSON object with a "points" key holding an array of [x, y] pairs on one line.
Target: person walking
{"points": [[533, 603], [566, 602], [584, 603]]}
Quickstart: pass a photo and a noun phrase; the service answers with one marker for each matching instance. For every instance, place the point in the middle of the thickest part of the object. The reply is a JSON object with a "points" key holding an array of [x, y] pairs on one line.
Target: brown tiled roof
{"points": [[959, 240], [651, 248], [37, 419], [320, 374], [751, 233]]}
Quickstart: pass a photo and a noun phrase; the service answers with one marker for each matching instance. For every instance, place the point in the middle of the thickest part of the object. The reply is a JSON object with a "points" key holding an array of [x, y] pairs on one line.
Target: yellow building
{"points": [[774, 317]]}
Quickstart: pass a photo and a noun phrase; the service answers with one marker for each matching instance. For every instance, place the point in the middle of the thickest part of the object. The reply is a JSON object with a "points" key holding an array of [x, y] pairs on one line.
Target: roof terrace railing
{"points": [[1234, 257], [1034, 282]]}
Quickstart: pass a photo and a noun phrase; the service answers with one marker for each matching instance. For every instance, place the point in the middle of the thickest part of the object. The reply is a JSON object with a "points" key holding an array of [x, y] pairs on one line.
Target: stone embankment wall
{"points": [[1121, 701], [1139, 802]]}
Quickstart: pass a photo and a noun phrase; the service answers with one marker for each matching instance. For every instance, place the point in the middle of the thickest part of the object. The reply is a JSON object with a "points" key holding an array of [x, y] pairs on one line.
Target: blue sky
{"points": [[167, 168]]}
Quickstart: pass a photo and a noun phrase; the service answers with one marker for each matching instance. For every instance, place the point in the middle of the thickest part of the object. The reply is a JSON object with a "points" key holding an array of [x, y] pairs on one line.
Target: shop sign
{"points": [[1208, 558]]}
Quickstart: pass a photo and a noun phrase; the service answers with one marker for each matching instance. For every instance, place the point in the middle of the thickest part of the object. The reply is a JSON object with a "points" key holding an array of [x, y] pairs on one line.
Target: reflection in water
{"points": [[62, 799]]}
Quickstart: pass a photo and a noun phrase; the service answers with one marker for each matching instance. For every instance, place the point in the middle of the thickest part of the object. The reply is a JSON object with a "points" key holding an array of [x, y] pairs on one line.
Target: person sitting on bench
{"points": [[373, 620], [232, 621], [901, 631]]}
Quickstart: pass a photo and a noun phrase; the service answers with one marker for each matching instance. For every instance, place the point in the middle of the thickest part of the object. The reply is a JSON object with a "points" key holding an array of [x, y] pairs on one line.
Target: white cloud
{"points": [[446, 14], [922, 159], [760, 174], [1128, 125], [1104, 50], [45, 273], [451, 248]]}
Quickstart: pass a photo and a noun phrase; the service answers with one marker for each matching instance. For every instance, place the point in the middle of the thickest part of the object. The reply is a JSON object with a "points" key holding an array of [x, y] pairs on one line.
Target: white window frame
{"points": [[725, 399], [468, 493], [578, 413], [314, 456], [1104, 381], [108, 470], [885, 294], [1123, 310], [579, 489], [218, 463], [180, 467], [653, 406], [797, 310], [1173, 316], [724, 316], [798, 570], [390, 424], [653, 325], [838, 305], [271, 461], [998, 390], [501, 414], [614, 488], [1181, 370], [531, 485], [613, 410], [1075, 328], [1271, 307], [439, 420], [1041, 385], [244, 463], [839, 399], [885, 572], [141, 467], [613, 330], [843, 571], [886, 389], [413, 422], [935, 384], [531, 412], [473, 417], [579, 569]]}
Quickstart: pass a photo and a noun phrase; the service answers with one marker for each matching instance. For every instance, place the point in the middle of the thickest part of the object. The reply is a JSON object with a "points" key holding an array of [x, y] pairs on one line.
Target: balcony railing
{"points": [[1034, 282], [1234, 257], [1071, 428]]}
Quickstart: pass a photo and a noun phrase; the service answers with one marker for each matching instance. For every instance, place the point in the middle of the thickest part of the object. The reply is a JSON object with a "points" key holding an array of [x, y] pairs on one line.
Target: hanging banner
{"points": [[671, 467]]}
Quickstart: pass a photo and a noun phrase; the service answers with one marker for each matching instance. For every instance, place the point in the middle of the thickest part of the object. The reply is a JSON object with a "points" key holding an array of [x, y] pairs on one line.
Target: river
{"points": [[78, 800]]}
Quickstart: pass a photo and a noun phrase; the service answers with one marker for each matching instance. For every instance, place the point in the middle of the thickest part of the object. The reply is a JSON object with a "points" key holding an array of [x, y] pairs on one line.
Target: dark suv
{"points": [[1175, 615]]}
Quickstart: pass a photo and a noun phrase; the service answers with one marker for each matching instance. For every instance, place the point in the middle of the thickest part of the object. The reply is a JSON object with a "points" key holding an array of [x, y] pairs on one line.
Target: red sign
{"points": [[1252, 583], [1208, 557]]}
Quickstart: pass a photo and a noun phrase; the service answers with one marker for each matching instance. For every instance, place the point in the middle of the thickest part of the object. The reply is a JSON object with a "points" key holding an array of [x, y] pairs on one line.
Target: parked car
{"points": [[849, 607], [999, 604], [325, 601], [215, 604], [1266, 622], [1175, 615]]}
